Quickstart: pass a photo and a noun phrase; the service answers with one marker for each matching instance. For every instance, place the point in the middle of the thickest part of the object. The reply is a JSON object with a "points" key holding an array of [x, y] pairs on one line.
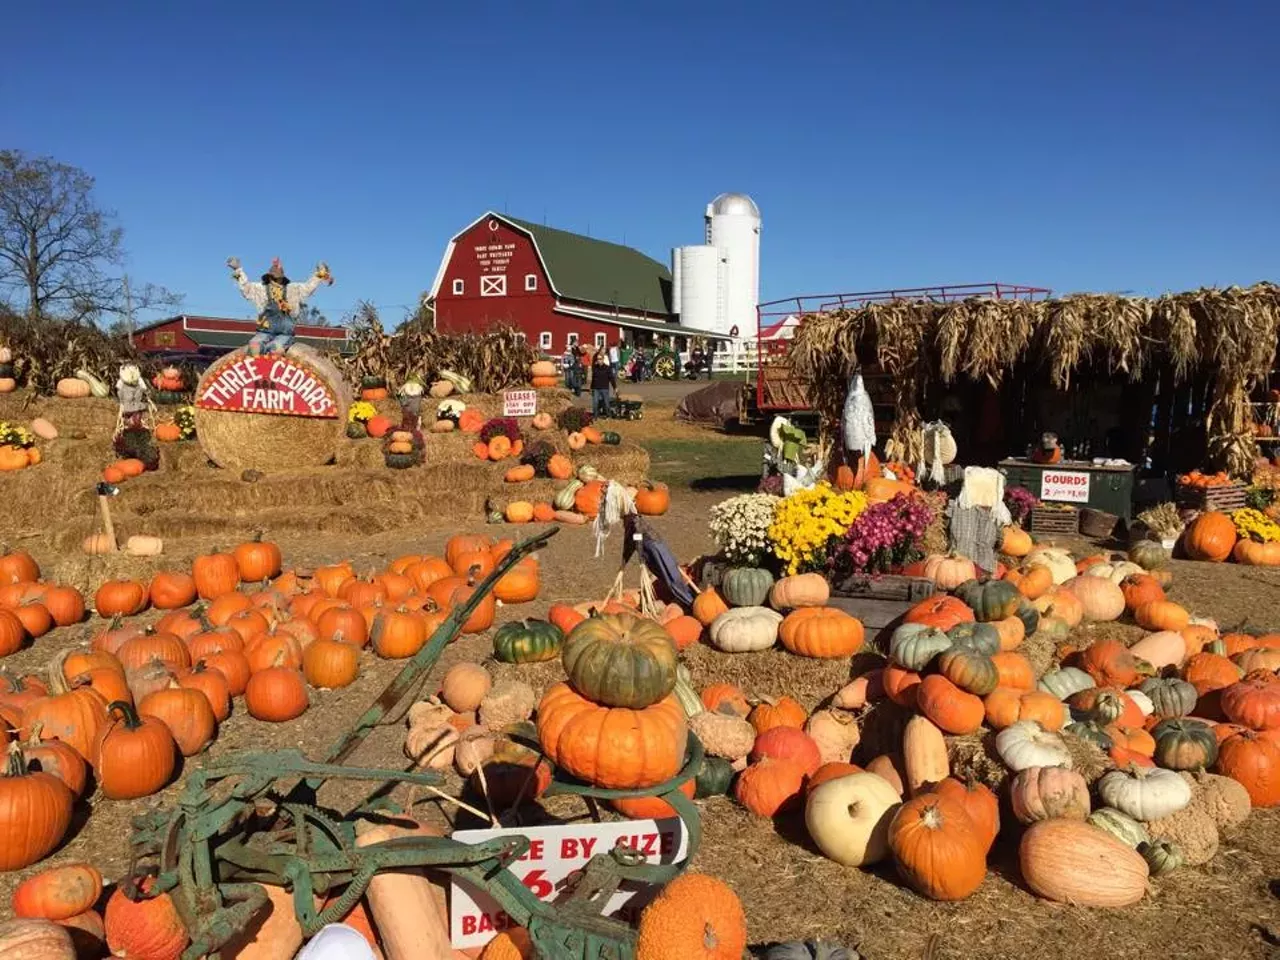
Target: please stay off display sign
{"points": [[1070, 486], [555, 854]]}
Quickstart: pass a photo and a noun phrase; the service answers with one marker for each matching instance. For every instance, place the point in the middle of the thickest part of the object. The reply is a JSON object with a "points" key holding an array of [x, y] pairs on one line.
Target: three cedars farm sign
{"points": [[268, 384], [555, 854]]}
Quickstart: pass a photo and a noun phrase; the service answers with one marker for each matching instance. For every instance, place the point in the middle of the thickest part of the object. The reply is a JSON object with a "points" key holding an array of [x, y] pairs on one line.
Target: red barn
{"points": [[214, 336], [554, 286]]}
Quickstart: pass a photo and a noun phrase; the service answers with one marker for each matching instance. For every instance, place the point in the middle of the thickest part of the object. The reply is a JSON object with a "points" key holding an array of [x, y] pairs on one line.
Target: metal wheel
{"points": [[665, 366]]}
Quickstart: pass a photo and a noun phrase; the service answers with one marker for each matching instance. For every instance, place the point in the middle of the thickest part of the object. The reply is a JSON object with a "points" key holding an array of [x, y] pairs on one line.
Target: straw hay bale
{"points": [[266, 442]]}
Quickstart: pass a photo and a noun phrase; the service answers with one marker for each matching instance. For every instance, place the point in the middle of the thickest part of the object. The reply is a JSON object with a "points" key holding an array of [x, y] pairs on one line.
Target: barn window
{"points": [[520, 335], [531, 281], [544, 340], [495, 286], [600, 339], [458, 287], [571, 341]]}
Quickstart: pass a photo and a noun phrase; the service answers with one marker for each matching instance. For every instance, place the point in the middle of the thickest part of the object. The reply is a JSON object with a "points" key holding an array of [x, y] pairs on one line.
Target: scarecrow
{"points": [[135, 401], [979, 516], [278, 302], [411, 403], [1049, 449]]}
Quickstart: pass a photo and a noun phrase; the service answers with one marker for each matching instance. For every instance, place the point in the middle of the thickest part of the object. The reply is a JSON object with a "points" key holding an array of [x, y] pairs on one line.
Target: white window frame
{"points": [[459, 286], [521, 335], [493, 285], [544, 340], [601, 340], [530, 282], [571, 340]]}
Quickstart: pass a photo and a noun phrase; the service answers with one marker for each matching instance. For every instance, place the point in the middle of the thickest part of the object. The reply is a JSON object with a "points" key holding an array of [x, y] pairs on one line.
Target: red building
{"points": [[214, 336], [554, 286]]}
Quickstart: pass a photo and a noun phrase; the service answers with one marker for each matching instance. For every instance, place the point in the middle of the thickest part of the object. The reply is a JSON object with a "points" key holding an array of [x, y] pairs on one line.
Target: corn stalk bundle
{"points": [[1230, 334], [47, 350], [492, 360]]}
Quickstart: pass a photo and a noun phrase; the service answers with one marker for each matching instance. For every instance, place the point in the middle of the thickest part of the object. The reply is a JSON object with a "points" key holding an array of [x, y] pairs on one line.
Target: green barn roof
{"points": [[600, 272]]}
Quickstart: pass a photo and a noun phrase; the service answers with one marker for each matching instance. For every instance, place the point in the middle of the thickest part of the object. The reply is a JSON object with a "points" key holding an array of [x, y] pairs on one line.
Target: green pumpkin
{"points": [[372, 383], [969, 670], [914, 645], [620, 660], [979, 637], [1091, 732], [990, 599], [714, 778], [746, 586], [1185, 744], [527, 641], [401, 461], [1065, 681], [168, 397], [611, 439], [1162, 856], [1170, 696], [1149, 555], [356, 430]]}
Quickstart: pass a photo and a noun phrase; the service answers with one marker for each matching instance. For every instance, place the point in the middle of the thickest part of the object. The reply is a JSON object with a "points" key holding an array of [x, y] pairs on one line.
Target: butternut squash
{"points": [[277, 936], [409, 909]]}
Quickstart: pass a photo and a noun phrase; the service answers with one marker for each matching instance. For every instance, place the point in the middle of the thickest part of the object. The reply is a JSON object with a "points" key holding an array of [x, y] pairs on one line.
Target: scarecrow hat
{"points": [[276, 273]]}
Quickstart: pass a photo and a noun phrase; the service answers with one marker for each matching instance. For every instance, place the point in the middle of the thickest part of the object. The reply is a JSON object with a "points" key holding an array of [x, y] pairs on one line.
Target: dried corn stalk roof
{"points": [[1230, 332]]}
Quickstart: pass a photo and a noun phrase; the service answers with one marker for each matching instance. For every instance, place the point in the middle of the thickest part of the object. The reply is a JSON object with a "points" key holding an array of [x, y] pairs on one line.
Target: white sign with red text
{"points": [[519, 403], [1071, 486], [555, 854]]}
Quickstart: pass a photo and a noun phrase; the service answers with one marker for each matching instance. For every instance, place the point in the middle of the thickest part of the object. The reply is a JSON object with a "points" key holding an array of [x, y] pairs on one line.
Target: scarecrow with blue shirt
{"points": [[278, 302]]}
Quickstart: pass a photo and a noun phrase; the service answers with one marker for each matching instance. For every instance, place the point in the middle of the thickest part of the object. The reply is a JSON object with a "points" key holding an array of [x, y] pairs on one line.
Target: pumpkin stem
{"points": [[127, 713], [709, 939], [17, 763], [57, 675]]}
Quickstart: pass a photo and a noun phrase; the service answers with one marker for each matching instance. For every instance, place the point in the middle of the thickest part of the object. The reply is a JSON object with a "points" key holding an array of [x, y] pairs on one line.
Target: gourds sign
{"points": [[268, 384]]}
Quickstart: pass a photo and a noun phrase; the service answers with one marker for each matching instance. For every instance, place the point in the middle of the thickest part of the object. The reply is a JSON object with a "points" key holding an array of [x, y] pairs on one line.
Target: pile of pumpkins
{"points": [[7, 382], [1212, 536], [544, 374], [233, 627], [577, 501], [18, 448], [1106, 756]]}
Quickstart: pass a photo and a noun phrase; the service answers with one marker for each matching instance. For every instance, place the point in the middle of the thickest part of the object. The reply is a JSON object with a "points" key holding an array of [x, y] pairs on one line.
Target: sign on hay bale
{"points": [[273, 412]]}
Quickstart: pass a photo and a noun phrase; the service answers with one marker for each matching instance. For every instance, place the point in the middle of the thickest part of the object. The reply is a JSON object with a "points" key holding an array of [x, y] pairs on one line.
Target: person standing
{"points": [[614, 359], [572, 370], [603, 381]]}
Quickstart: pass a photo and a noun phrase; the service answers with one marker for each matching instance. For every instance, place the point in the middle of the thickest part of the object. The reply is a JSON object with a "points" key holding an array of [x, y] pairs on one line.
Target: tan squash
{"points": [[409, 910], [924, 755], [276, 936]]}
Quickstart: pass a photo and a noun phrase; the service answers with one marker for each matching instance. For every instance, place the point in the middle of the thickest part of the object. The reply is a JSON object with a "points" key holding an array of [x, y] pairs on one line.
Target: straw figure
{"points": [[135, 401], [277, 301]]}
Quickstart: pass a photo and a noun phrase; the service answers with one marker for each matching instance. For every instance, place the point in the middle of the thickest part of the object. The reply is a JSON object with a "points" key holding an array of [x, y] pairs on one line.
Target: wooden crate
{"points": [[880, 602], [1229, 496], [1055, 520]]}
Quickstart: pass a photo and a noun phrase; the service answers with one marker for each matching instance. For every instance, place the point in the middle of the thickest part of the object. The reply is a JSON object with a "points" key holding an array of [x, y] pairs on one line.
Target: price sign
{"points": [[555, 854], [1065, 486], [519, 403]]}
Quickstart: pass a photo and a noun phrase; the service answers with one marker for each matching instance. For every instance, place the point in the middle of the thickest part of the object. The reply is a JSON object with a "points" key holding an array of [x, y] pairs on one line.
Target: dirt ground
{"points": [[1227, 909]]}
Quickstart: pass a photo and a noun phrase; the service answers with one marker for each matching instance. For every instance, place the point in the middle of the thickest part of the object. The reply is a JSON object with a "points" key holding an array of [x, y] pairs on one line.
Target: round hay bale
{"points": [[272, 442]]}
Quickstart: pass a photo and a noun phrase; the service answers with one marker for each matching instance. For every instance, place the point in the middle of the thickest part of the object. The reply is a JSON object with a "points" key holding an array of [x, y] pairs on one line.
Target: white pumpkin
{"points": [[1065, 681], [1145, 793], [1059, 562], [1115, 572], [848, 818], [143, 546], [1026, 744], [745, 629], [1142, 700]]}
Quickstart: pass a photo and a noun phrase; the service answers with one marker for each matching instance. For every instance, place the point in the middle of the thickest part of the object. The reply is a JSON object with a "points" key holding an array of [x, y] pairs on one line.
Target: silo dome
{"points": [[734, 204]]}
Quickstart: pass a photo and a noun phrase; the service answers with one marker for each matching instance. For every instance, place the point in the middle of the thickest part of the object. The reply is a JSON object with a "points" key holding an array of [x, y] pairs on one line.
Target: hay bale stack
{"points": [[269, 442]]}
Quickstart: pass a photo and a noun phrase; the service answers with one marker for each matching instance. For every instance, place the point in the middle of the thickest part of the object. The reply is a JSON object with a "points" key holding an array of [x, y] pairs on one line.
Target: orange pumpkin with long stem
{"points": [[35, 812], [936, 847], [133, 756]]}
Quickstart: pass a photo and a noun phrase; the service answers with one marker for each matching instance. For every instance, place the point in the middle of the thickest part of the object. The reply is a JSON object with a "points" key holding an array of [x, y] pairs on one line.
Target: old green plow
{"points": [[254, 817]]}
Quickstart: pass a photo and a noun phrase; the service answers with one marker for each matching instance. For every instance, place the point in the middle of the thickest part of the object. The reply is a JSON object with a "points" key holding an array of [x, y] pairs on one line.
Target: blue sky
{"points": [[1081, 146]]}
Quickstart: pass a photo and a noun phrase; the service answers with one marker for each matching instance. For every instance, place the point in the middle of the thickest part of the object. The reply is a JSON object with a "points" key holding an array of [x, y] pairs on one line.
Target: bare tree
{"points": [[60, 249]]}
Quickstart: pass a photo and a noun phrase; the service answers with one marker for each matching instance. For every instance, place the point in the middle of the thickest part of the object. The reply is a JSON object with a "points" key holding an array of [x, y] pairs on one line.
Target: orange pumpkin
{"points": [[1210, 537], [936, 847]]}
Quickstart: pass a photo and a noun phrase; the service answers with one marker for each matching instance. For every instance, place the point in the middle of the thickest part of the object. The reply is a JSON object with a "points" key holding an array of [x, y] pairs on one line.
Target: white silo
{"points": [[697, 278], [733, 228]]}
